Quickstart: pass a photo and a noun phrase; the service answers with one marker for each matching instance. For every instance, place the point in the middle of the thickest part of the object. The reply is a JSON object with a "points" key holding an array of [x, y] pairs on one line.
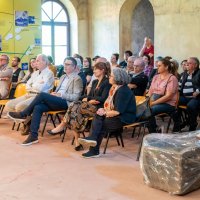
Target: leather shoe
{"points": [[56, 133], [79, 147]]}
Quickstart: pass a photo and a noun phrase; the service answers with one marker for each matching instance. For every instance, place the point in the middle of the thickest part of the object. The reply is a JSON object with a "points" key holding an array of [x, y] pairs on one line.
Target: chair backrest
{"points": [[20, 90], [140, 99]]}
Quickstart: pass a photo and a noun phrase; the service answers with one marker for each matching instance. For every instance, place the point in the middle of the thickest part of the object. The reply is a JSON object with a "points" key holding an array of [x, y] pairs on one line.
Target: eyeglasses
{"points": [[3, 59], [136, 66]]}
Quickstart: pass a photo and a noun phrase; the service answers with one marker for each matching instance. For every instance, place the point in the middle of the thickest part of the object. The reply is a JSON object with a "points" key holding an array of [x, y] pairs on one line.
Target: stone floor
{"points": [[53, 170]]}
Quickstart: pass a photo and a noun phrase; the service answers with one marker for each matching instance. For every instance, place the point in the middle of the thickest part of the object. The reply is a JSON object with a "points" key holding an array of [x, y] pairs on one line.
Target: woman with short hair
{"points": [[119, 109]]}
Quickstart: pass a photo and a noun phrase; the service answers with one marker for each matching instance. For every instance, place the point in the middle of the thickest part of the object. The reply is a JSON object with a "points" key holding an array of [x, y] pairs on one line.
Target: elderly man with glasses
{"points": [[69, 89], [5, 76]]}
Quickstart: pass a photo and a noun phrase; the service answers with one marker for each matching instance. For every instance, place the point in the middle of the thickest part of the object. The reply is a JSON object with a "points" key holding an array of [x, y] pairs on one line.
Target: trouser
{"points": [[99, 127], [43, 102], [20, 103], [158, 109], [193, 105]]}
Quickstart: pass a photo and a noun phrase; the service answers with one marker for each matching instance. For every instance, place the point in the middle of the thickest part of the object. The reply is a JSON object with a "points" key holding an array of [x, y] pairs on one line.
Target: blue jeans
{"points": [[43, 102], [193, 105], [158, 109]]}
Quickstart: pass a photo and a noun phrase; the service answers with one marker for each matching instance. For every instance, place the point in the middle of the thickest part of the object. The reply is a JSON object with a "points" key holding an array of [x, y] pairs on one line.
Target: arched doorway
{"points": [[133, 15], [142, 24]]}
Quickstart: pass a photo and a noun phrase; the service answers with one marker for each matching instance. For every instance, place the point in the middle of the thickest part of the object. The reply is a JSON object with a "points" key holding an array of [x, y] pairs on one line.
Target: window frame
{"points": [[52, 24]]}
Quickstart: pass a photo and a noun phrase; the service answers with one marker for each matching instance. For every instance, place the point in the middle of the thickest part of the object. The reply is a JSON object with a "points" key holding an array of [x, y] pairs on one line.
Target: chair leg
{"points": [[121, 138], [133, 133], [51, 116], [139, 132], [57, 116], [1, 110], [107, 139], [170, 119], [18, 126], [45, 123], [63, 137], [116, 136], [140, 146], [13, 125]]}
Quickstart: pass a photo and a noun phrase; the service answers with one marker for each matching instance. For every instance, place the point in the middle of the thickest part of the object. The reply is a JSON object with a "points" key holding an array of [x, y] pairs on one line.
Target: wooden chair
{"points": [[19, 91], [139, 123], [51, 114]]}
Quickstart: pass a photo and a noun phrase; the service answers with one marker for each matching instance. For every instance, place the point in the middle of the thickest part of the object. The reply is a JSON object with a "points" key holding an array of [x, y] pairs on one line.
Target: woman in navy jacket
{"points": [[119, 109]]}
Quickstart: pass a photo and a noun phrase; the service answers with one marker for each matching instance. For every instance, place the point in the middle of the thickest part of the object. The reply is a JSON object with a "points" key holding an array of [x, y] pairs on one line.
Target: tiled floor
{"points": [[53, 170]]}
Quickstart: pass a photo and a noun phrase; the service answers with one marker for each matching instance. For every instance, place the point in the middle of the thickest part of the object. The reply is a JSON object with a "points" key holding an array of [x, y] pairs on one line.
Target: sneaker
{"points": [[88, 141], [91, 154], [30, 140], [16, 116]]}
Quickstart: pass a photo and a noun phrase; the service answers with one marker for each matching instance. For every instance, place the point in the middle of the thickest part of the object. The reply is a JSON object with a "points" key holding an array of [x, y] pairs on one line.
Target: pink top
{"points": [[158, 86]]}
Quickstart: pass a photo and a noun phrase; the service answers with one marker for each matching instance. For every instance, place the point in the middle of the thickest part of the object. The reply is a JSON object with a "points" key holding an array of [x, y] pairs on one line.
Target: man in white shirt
{"points": [[41, 80], [68, 90]]}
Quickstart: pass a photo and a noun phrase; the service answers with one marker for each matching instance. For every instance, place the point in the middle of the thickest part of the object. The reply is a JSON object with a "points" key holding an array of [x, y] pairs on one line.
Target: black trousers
{"points": [[101, 125]]}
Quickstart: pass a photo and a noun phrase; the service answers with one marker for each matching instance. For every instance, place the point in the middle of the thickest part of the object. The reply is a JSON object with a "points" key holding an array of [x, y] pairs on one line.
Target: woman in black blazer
{"points": [[97, 96]]}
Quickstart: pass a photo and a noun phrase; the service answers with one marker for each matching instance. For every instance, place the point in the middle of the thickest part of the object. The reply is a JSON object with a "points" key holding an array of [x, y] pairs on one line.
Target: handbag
{"points": [[143, 110], [78, 114]]}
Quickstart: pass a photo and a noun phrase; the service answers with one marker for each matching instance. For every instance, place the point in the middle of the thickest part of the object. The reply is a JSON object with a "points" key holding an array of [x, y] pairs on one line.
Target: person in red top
{"points": [[147, 49]]}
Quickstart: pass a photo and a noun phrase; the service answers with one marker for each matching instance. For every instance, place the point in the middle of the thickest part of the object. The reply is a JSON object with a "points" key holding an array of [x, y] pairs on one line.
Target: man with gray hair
{"points": [[5, 76], [68, 90], [139, 80], [41, 80]]}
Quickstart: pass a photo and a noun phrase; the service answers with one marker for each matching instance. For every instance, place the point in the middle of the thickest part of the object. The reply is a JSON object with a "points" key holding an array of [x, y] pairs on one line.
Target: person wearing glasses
{"points": [[68, 90], [139, 80], [189, 88], [5, 76], [119, 109]]}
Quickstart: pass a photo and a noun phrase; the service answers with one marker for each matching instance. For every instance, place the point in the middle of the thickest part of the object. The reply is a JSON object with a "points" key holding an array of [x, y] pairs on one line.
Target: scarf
{"points": [[109, 104]]}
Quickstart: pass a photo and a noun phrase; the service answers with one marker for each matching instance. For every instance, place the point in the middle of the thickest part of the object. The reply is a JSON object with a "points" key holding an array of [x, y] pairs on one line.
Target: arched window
{"points": [[55, 30]]}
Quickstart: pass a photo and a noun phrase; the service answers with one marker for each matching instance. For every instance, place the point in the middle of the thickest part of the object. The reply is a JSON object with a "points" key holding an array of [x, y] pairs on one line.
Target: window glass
{"points": [[60, 54], [46, 35], [60, 35]]}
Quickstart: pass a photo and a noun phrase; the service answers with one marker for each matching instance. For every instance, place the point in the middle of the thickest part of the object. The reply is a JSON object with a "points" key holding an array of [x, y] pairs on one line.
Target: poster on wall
{"points": [[0, 43], [31, 20], [24, 66], [21, 18]]}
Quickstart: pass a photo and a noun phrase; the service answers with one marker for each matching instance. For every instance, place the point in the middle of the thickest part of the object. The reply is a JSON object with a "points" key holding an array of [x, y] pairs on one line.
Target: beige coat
{"points": [[5, 72]]}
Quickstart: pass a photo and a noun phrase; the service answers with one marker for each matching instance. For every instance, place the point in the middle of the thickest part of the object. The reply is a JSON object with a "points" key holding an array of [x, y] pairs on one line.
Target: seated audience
{"points": [[147, 49], [97, 96], [17, 76], [130, 65], [183, 66], [68, 90], [127, 54], [119, 109], [189, 86], [5, 76], [148, 68], [31, 68], [113, 61], [41, 80], [139, 80], [163, 92], [87, 68]]}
